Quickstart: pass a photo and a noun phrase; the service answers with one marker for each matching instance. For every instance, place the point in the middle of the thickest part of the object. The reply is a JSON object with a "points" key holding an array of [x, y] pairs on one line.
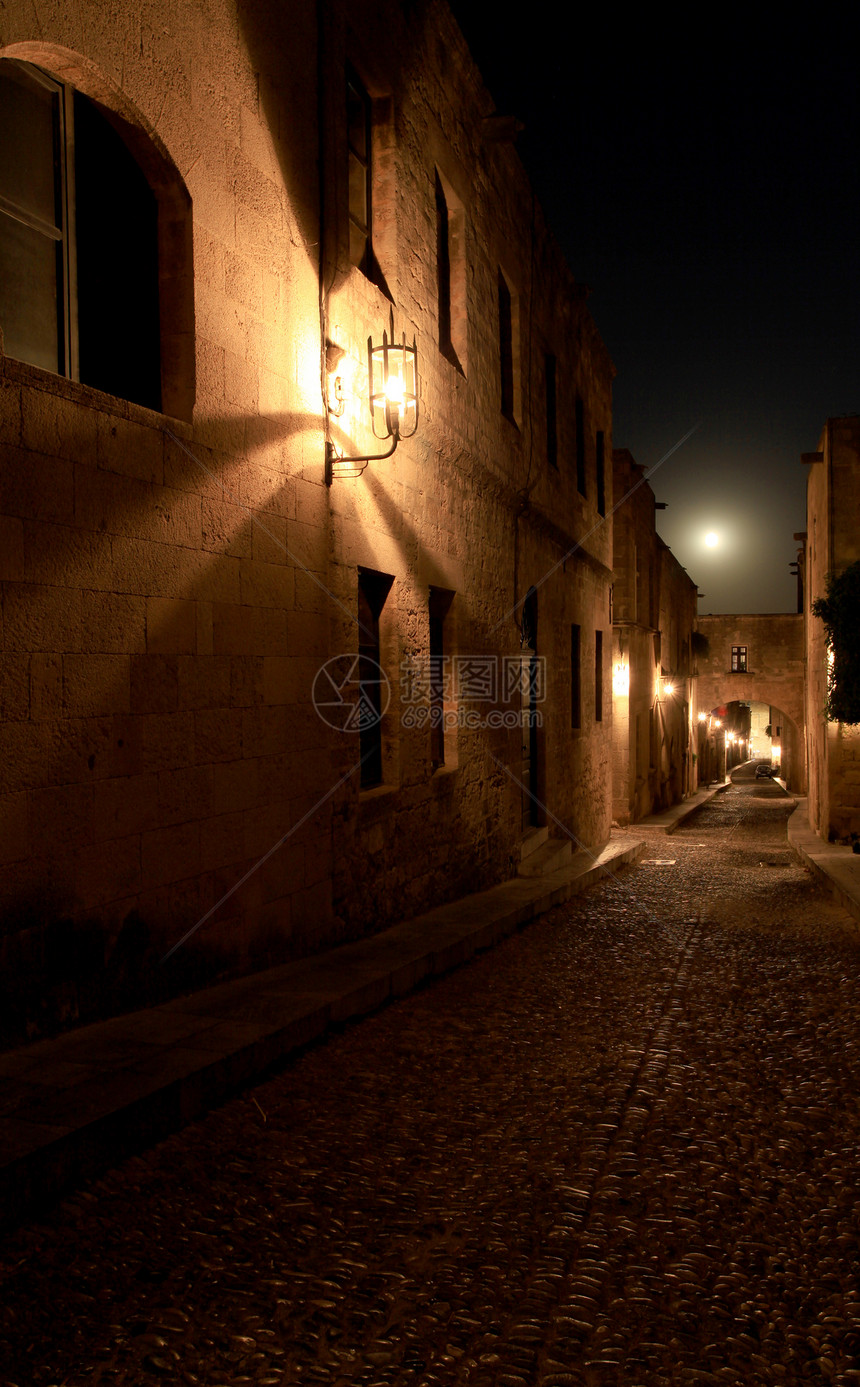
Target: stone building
{"points": [[831, 546], [256, 697], [759, 658], [653, 676]]}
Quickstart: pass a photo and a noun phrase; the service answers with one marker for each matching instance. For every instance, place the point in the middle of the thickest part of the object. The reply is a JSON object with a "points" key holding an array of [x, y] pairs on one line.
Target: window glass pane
{"points": [[28, 295], [28, 171], [117, 264]]}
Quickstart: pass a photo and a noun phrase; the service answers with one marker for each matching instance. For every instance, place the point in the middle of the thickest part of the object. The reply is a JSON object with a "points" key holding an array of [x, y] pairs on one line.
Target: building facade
{"points": [[258, 697], [653, 673], [755, 658], [831, 547]]}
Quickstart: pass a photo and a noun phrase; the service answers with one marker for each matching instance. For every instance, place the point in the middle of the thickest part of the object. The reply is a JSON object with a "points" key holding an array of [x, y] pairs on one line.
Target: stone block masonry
{"points": [[173, 578]]}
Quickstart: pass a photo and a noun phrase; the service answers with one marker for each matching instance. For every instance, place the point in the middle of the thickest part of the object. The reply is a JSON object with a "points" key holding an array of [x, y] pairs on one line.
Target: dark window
{"points": [[575, 677], [443, 274], [79, 281], [579, 411], [506, 347], [550, 373], [117, 239], [443, 271], [359, 147], [440, 603], [739, 659], [598, 676], [451, 274], [601, 475], [373, 588]]}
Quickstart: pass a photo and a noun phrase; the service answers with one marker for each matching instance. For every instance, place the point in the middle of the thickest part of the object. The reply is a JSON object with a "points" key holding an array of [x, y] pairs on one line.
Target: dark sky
{"points": [[705, 187]]}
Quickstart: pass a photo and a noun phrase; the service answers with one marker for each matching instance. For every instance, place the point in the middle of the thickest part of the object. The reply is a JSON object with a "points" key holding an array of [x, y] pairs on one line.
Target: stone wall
{"points": [[832, 543], [774, 674], [173, 582], [654, 695]]}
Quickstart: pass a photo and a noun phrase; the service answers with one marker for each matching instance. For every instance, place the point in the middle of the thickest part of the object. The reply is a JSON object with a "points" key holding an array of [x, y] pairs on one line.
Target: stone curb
{"points": [[671, 819], [836, 866], [139, 1077]]}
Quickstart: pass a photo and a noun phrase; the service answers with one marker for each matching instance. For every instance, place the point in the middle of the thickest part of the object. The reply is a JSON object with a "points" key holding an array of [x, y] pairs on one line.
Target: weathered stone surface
{"points": [[621, 1146], [177, 580]]}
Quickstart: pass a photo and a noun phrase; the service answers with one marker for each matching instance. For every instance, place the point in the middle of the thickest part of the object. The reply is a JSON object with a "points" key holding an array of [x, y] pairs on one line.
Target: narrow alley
{"points": [[622, 1147]]}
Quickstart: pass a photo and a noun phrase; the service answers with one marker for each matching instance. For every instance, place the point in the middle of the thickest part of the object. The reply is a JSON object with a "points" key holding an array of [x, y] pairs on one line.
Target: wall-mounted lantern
{"points": [[392, 383]]}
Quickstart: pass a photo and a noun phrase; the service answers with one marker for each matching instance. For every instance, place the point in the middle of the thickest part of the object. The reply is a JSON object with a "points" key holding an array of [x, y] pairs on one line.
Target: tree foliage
{"points": [[840, 612]]}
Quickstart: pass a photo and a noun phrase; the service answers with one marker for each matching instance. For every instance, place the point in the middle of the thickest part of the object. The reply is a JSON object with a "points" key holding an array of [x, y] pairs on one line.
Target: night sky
{"points": [[706, 189]]}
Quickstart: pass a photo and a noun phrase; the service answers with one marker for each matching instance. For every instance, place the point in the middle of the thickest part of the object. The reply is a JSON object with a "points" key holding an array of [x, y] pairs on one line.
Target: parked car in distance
{"points": [[764, 771]]}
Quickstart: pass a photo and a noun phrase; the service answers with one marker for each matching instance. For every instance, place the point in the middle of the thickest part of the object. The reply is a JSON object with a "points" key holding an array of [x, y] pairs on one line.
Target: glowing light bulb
{"points": [[394, 390]]}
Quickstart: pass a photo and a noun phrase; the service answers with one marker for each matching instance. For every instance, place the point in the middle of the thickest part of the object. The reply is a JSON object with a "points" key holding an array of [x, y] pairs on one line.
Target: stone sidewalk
{"points": [[74, 1105], [837, 867]]}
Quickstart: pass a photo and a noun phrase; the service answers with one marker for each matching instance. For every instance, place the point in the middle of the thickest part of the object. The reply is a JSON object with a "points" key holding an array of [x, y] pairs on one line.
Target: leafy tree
{"points": [[840, 612]]}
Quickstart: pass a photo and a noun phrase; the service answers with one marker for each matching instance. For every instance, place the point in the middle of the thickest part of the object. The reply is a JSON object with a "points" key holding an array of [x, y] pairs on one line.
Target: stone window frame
{"points": [[739, 659], [508, 321], [451, 273], [70, 73], [370, 177]]}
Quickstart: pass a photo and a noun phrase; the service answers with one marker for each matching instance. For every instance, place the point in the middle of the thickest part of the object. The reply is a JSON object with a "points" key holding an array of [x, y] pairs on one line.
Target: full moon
{"points": [[711, 539]]}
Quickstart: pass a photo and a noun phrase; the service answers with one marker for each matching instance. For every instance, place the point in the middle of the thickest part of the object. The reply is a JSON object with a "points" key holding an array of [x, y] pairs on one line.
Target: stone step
{"points": [[534, 839], [551, 856]]}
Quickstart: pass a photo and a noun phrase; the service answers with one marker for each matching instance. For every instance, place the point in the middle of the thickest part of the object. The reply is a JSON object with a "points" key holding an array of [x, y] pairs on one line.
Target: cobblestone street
{"points": [[622, 1147]]}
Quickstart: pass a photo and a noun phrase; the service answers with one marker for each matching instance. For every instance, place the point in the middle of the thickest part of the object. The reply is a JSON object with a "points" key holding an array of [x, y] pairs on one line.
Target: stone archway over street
{"points": [[759, 659]]}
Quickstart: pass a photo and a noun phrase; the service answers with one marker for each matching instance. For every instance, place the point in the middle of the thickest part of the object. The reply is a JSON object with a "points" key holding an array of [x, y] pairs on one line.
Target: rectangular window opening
{"points": [[601, 474], [575, 677], [451, 274], [506, 349], [598, 676], [359, 154], [739, 659], [362, 180], [550, 378], [373, 589], [579, 413]]}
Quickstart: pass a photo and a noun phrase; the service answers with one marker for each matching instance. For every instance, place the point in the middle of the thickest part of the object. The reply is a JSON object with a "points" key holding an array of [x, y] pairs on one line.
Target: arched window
{"points": [[82, 283]]}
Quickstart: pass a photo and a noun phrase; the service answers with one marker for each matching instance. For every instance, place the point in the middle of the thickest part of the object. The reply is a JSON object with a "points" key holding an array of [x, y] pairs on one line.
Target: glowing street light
{"points": [[392, 379]]}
